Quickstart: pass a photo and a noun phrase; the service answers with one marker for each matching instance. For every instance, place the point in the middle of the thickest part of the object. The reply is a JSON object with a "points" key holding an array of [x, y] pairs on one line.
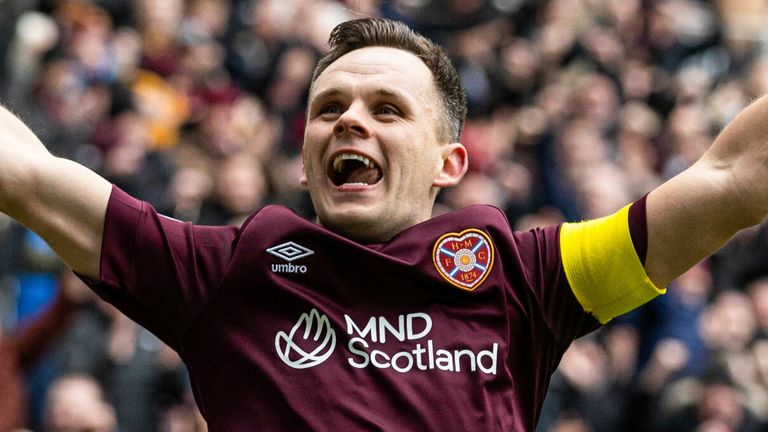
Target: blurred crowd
{"points": [[577, 107]]}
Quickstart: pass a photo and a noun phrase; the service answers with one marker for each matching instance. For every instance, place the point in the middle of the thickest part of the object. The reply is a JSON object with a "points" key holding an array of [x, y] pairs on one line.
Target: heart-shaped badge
{"points": [[464, 259]]}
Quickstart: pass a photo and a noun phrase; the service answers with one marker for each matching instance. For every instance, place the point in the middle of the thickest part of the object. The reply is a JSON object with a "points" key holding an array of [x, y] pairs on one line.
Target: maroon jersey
{"points": [[457, 323]]}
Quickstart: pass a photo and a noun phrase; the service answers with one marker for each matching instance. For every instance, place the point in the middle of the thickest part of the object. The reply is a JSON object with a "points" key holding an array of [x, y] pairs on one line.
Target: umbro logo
{"points": [[290, 252]]}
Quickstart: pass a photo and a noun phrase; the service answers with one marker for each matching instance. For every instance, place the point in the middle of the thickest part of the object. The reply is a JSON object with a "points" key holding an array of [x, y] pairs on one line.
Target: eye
{"points": [[387, 110], [329, 109]]}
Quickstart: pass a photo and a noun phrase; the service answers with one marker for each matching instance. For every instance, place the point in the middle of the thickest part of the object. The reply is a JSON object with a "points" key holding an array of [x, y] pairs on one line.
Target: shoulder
{"points": [[523, 248], [274, 223], [477, 215], [495, 222], [272, 217]]}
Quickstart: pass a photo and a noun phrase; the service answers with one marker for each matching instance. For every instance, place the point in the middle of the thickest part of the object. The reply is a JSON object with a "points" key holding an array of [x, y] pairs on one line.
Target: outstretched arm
{"points": [[696, 212], [687, 218], [59, 199]]}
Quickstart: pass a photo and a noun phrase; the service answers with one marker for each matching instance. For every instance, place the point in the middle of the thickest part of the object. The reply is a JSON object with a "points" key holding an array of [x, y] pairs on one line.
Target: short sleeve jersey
{"points": [[456, 324]]}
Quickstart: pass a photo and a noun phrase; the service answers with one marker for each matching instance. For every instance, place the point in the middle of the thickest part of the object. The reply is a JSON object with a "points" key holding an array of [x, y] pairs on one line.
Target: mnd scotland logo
{"points": [[289, 252], [310, 342], [378, 342]]}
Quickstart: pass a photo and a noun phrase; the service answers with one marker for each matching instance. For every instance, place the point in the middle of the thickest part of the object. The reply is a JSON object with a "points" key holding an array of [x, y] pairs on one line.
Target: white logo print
{"points": [[307, 350], [290, 251]]}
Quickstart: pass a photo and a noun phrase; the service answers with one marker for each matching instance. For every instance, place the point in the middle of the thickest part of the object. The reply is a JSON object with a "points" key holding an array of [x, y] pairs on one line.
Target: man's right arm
{"points": [[62, 201]]}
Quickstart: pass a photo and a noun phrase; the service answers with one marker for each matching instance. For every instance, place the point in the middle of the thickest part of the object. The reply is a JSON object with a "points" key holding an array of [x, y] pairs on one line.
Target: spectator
{"points": [[20, 350], [197, 107], [75, 403]]}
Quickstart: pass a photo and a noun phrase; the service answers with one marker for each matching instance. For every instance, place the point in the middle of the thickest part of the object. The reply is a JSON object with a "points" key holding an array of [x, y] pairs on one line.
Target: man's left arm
{"points": [[693, 214], [612, 270]]}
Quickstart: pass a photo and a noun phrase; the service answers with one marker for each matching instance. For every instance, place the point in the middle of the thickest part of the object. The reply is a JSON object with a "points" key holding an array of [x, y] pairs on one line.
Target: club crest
{"points": [[464, 259]]}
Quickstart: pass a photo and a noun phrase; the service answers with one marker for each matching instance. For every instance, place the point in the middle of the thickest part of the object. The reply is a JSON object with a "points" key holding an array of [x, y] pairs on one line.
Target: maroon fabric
{"points": [[638, 228], [400, 344]]}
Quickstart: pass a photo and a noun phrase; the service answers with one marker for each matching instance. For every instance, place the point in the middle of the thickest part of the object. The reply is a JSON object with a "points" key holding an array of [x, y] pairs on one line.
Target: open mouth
{"points": [[352, 169]]}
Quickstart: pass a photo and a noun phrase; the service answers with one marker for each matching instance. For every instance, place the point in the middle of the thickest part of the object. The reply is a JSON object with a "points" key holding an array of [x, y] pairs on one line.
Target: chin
{"points": [[360, 226]]}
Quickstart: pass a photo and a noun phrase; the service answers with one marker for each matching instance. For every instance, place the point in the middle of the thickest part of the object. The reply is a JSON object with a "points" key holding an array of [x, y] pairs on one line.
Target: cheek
{"points": [[312, 170], [424, 164], [419, 175], [312, 161]]}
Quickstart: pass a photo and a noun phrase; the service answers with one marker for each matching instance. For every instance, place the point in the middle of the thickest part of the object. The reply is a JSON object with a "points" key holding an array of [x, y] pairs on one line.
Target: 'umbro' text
{"points": [[288, 268]]}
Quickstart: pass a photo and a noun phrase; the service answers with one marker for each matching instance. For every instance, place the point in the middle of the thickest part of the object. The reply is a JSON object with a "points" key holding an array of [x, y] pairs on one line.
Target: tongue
{"points": [[363, 175]]}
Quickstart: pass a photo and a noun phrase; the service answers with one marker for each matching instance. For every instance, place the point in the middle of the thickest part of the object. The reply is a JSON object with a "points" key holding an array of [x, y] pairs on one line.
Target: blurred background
{"points": [[576, 107]]}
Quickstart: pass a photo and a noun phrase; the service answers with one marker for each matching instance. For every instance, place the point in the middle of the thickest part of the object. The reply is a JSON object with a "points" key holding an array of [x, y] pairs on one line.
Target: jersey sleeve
{"points": [[554, 306], [603, 268], [159, 271]]}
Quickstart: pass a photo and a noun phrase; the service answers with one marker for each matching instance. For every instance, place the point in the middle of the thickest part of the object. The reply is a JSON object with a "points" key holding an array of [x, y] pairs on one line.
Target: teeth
{"points": [[339, 161]]}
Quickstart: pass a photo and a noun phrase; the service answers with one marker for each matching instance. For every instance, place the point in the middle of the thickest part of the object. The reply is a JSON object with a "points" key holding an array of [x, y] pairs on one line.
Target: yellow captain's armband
{"points": [[602, 266]]}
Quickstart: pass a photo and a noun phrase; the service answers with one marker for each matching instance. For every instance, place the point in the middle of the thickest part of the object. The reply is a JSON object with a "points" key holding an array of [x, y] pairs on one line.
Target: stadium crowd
{"points": [[577, 107]]}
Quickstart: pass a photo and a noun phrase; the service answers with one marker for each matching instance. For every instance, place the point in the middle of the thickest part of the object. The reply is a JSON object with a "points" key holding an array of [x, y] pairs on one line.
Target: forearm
{"points": [[695, 213], [59, 199], [12, 127], [19, 148], [685, 225], [66, 206], [740, 153]]}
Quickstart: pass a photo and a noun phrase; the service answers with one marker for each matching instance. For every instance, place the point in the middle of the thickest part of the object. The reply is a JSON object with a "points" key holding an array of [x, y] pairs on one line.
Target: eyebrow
{"points": [[381, 91], [389, 93]]}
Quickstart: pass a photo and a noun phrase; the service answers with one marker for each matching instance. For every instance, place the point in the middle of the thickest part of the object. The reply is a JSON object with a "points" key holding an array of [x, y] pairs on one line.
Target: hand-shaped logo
{"points": [[310, 349]]}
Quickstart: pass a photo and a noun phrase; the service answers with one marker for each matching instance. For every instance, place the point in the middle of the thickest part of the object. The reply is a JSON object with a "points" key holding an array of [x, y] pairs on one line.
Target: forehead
{"points": [[382, 68]]}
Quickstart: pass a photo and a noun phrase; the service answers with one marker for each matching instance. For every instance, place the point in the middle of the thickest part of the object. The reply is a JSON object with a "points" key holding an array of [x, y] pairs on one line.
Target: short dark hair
{"points": [[368, 32]]}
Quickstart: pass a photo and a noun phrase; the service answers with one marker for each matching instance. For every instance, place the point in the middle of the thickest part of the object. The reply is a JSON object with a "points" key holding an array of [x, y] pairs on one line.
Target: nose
{"points": [[353, 122]]}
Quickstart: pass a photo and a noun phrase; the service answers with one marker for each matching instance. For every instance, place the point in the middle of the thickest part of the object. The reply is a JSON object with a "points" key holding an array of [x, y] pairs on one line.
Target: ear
{"points": [[455, 163], [303, 176]]}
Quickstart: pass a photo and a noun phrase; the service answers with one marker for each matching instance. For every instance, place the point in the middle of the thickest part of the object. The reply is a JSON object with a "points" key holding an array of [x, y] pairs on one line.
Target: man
{"points": [[378, 317]]}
